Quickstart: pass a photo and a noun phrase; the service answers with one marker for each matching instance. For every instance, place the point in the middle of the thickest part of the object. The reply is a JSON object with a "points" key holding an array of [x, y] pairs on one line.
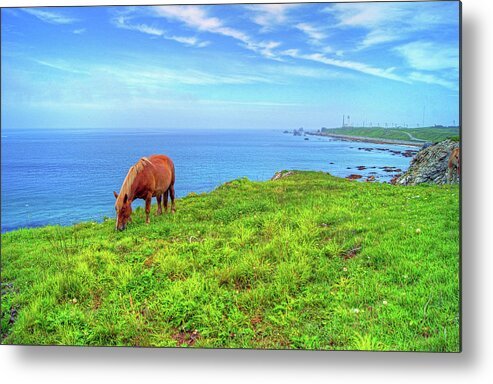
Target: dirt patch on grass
{"points": [[186, 337], [96, 300], [352, 252], [149, 262], [256, 320]]}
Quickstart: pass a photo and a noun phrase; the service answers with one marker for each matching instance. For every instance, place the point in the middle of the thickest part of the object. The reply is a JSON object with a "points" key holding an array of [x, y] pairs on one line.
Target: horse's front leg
{"points": [[148, 208], [453, 175]]}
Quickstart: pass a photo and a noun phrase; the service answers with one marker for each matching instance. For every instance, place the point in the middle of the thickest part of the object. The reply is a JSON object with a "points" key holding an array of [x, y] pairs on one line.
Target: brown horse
{"points": [[150, 176], [453, 166]]}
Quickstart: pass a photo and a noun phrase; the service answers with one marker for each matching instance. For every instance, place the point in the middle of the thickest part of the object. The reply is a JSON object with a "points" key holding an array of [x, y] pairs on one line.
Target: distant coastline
{"points": [[367, 139]]}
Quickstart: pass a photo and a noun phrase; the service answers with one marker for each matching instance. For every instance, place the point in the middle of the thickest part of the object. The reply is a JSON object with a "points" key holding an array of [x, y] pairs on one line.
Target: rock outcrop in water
{"points": [[430, 165]]}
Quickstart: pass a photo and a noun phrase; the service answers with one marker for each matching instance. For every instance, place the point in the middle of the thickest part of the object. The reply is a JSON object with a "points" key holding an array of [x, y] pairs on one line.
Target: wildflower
{"points": [[355, 310], [384, 302], [344, 269]]}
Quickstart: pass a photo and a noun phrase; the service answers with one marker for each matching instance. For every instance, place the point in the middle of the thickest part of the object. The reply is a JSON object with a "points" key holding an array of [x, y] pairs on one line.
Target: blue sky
{"points": [[231, 66]]}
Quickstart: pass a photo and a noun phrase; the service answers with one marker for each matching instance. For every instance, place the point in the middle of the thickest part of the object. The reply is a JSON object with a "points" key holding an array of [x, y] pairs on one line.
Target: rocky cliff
{"points": [[430, 165]]}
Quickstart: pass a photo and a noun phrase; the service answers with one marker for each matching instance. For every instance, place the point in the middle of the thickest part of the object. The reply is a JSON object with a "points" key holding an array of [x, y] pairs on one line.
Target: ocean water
{"points": [[68, 176]]}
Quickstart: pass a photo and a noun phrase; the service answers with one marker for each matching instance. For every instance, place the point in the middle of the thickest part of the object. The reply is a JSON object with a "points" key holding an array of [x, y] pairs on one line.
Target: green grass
{"points": [[310, 261], [432, 134]]}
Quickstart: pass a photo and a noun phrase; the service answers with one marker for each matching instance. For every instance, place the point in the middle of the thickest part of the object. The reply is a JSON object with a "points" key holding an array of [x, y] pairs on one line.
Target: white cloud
{"points": [[387, 73], [250, 103], [367, 16], [79, 31], [432, 79], [50, 16], [147, 29], [193, 16], [61, 66], [286, 71], [378, 36], [314, 33], [364, 15], [123, 22], [157, 77], [424, 55], [191, 41], [197, 18], [388, 21], [268, 16]]}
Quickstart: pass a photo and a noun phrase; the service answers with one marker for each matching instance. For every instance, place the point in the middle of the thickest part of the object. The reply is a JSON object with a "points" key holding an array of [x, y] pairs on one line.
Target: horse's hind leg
{"points": [[148, 208], [165, 200], [172, 195], [159, 210]]}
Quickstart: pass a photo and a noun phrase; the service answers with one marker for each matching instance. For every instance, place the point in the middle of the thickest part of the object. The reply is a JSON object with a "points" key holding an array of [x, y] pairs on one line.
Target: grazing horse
{"points": [[150, 176], [453, 166]]}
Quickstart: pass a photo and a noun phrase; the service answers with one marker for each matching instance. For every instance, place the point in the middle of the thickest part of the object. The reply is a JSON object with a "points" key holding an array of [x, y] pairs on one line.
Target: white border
{"points": [[88, 365]]}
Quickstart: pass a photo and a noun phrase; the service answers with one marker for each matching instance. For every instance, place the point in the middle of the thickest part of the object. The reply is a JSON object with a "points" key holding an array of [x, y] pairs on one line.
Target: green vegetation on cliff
{"points": [[306, 261], [432, 134]]}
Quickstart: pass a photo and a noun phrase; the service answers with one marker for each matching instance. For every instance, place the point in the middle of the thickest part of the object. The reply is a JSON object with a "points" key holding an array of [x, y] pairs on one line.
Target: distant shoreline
{"points": [[367, 139]]}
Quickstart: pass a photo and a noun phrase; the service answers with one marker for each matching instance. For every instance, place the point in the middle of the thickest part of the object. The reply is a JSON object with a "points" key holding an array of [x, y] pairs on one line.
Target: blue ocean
{"points": [[68, 176]]}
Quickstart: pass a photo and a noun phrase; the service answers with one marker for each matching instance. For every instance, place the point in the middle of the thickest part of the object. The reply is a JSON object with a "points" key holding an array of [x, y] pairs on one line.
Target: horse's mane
{"points": [[129, 179]]}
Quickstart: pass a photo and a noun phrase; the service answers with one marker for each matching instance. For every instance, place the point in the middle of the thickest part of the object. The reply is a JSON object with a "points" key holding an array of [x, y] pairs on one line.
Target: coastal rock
{"points": [[282, 174], [430, 165], [354, 176]]}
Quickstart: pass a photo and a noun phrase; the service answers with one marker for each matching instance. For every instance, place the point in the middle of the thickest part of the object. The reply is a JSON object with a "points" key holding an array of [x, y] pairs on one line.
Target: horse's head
{"points": [[123, 208]]}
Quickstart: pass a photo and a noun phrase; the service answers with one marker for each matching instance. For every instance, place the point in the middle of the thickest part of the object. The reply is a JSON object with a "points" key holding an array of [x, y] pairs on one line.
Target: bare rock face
{"points": [[282, 174], [430, 165]]}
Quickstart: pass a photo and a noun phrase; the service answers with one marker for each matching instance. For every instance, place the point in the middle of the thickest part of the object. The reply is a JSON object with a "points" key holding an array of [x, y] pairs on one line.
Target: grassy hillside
{"points": [[307, 261], [431, 134]]}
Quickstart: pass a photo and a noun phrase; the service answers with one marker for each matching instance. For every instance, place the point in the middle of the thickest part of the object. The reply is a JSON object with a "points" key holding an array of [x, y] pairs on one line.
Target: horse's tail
{"points": [[172, 173], [171, 167]]}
